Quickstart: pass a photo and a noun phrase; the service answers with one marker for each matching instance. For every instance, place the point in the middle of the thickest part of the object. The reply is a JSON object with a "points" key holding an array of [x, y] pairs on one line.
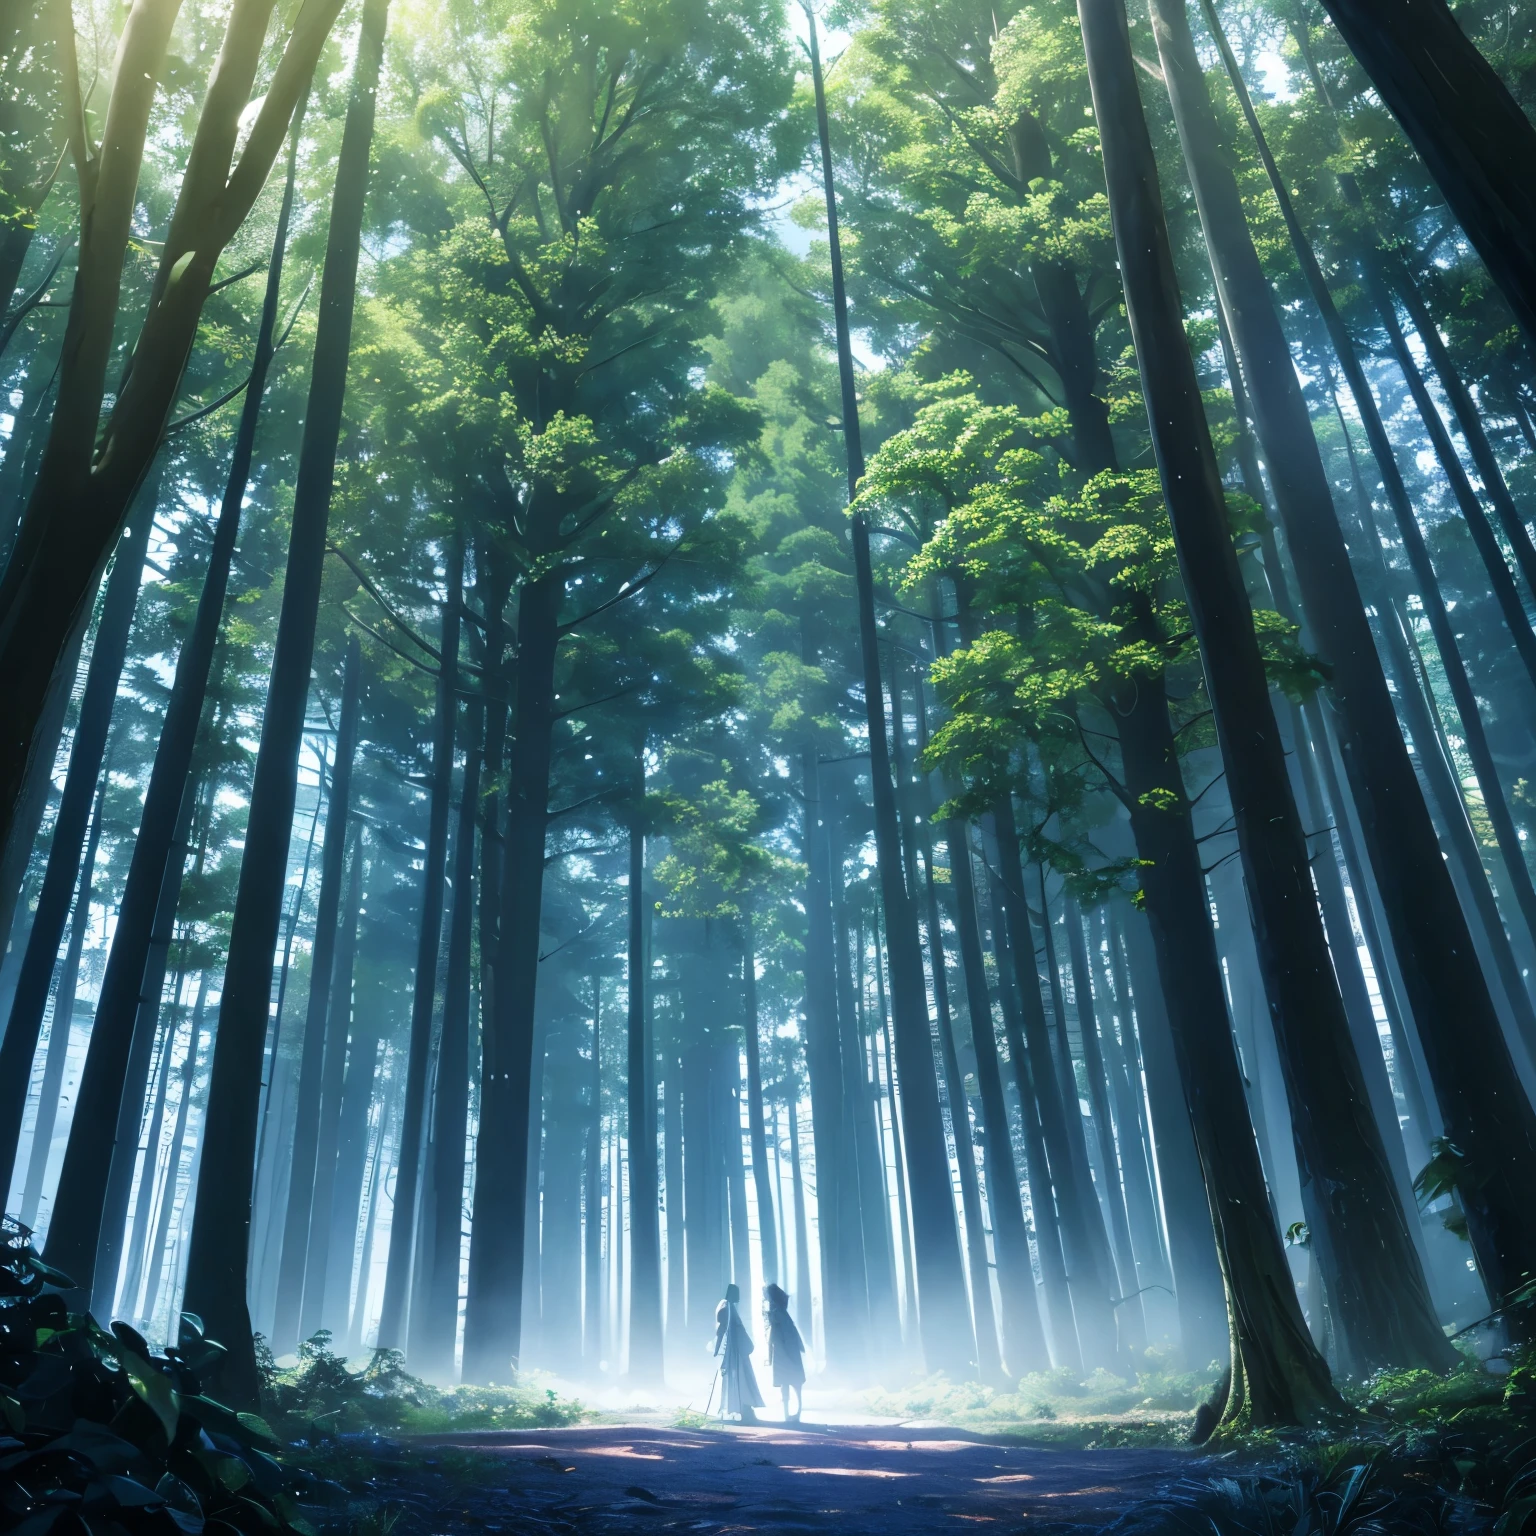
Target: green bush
{"points": [[104, 1434], [321, 1396]]}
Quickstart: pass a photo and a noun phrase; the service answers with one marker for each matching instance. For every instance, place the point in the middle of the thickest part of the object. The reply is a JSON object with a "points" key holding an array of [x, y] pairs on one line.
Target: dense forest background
{"points": [[575, 733]]}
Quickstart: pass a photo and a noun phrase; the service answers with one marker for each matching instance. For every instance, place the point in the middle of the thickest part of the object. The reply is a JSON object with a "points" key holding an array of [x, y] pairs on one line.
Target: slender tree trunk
{"points": [[402, 1229], [1373, 1269], [435, 1315], [1024, 1348], [116, 1160], [1123, 1063], [645, 1345], [1278, 1376], [304, 1154], [1199, 1287], [1486, 1113], [592, 1224], [865, 1182], [941, 1278], [493, 1320], [63, 1016], [69, 829], [1415, 701], [989, 1360], [728, 1067], [220, 1245], [1128, 1310], [802, 1231], [332, 1097], [352, 1151], [150, 1177], [898, 1146], [762, 1177], [1094, 1281], [839, 1219], [1015, 949], [156, 1256]]}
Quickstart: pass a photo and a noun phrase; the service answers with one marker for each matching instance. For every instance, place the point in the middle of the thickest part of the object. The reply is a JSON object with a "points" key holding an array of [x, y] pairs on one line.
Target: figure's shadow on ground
{"points": [[767, 1477]]}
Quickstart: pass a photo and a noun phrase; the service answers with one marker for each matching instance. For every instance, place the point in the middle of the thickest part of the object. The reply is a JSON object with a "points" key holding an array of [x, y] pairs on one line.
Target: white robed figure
{"points": [[739, 1393]]}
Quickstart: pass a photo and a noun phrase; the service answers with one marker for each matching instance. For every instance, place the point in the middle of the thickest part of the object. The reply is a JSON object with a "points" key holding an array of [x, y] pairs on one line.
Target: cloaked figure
{"points": [[786, 1350], [739, 1392]]}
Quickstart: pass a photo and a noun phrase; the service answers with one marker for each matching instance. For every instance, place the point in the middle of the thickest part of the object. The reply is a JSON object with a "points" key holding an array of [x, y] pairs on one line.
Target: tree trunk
{"points": [[1094, 1283], [1076, 1204], [1473, 136], [435, 1314], [220, 1245], [762, 1177], [1125, 1073], [156, 1255], [429, 934], [645, 1346], [898, 1149], [592, 1218], [150, 1177], [1357, 1224], [69, 829], [1019, 983], [1024, 1348], [839, 1219], [493, 1319], [1278, 1377], [865, 1177], [90, 471], [117, 1160], [989, 1360], [1128, 1310], [332, 1097], [1486, 1113], [351, 1173], [304, 1154], [63, 1017], [1199, 1287], [802, 1231]]}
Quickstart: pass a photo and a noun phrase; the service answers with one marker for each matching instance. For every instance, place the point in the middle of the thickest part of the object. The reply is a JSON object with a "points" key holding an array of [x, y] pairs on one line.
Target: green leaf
{"points": [[1515, 1519], [155, 1389], [255, 1425]]}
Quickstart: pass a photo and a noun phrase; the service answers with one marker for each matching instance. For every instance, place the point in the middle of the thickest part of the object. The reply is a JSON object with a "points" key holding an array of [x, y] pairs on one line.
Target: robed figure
{"points": [[739, 1393]]}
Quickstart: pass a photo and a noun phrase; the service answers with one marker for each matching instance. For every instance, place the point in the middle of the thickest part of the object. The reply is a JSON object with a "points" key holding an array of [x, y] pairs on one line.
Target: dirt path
{"points": [[610, 1478]]}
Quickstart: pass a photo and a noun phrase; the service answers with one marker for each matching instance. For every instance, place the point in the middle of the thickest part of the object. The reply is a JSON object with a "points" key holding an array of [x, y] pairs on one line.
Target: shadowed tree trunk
{"points": [[332, 1091], [435, 1315], [69, 829], [1024, 1349], [592, 1198], [645, 1346], [942, 1301], [1486, 1113], [120, 1157], [1015, 976], [1199, 1287], [839, 1219], [352, 1159], [429, 933], [155, 1259], [304, 1153], [762, 1177], [1356, 1222], [1472, 134], [63, 1016], [90, 470], [220, 1244], [1128, 1311]]}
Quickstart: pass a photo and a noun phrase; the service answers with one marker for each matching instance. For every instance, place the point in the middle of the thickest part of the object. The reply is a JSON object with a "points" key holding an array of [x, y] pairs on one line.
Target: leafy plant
{"points": [[104, 1434]]}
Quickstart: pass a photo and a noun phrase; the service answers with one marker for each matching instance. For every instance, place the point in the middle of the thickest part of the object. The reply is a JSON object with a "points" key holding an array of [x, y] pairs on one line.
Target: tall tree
{"points": [[220, 1245]]}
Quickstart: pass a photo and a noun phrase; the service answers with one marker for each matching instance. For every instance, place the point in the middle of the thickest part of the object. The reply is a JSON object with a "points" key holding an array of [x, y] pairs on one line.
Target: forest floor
{"points": [[852, 1479]]}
